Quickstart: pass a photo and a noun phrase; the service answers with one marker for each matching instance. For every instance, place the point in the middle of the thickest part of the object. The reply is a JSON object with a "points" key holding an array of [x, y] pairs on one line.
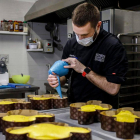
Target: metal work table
{"points": [[63, 115], [20, 91]]}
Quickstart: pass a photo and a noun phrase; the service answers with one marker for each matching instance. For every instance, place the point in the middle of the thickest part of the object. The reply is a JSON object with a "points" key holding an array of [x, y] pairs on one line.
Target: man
{"points": [[100, 64]]}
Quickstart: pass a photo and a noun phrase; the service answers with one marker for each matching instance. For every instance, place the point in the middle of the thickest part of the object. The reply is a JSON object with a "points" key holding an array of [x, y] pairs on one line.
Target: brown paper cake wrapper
{"points": [[107, 121], [74, 109], [45, 119], [22, 105], [26, 105], [60, 103], [125, 130], [50, 95], [41, 104], [94, 102], [6, 107], [125, 108], [82, 136], [85, 118], [25, 112], [14, 100], [97, 113], [68, 138], [10, 136], [1, 115], [137, 113], [7, 124], [31, 96]]}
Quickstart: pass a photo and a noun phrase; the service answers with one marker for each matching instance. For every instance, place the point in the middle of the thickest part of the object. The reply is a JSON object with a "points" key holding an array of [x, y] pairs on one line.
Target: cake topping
{"points": [[88, 108], [48, 131]]}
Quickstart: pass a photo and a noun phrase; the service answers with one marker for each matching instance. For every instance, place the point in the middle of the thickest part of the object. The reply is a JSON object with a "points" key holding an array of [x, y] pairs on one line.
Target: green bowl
{"points": [[20, 79]]}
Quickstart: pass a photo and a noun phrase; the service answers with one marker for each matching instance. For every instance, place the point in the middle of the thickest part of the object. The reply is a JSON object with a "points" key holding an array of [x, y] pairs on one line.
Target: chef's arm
{"points": [[63, 80], [102, 83]]}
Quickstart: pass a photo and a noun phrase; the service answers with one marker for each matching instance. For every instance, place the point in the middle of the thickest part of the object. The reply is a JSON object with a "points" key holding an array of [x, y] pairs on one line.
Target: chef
{"points": [[97, 59]]}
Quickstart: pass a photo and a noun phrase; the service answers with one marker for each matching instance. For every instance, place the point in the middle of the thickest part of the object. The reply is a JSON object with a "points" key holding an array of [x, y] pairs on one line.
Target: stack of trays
{"points": [[72, 134], [36, 117], [125, 130], [85, 118], [50, 101], [11, 104]]}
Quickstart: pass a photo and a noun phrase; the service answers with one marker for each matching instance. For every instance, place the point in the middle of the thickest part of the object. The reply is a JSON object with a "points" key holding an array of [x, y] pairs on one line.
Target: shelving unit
{"points": [[13, 33], [129, 95], [34, 50]]}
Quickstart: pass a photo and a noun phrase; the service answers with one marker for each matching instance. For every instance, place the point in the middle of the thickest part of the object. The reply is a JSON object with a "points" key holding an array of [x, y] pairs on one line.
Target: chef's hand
{"points": [[52, 79], [75, 64]]}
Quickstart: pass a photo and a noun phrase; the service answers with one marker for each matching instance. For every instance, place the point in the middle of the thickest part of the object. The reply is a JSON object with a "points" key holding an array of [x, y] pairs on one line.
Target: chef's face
{"points": [[86, 30]]}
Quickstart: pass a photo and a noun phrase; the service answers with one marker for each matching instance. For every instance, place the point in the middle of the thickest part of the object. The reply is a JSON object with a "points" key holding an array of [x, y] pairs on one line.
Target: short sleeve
{"points": [[65, 55], [116, 64]]}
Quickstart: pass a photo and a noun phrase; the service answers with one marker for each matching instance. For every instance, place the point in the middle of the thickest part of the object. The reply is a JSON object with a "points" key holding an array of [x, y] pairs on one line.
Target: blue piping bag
{"points": [[59, 70]]}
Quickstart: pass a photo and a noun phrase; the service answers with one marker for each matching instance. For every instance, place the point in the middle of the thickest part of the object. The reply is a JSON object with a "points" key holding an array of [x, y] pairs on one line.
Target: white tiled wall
{"points": [[21, 61]]}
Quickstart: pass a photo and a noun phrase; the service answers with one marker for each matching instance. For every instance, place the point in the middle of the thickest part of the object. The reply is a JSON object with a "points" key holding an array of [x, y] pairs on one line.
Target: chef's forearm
{"points": [[63, 80], [102, 83]]}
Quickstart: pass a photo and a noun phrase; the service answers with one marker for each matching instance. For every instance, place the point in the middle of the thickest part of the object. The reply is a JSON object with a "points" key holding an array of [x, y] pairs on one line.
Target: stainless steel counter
{"points": [[63, 115]]}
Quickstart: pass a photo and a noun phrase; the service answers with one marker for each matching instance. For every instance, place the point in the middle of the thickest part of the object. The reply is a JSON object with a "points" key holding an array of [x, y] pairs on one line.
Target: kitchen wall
{"points": [[21, 61]]}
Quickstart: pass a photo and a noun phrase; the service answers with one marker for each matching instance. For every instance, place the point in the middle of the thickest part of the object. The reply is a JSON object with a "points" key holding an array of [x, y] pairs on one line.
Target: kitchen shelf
{"points": [[131, 52], [134, 74], [131, 44], [13, 33], [129, 86], [127, 103], [133, 60], [129, 94], [133, 77], [134, 69], [34, 50]]}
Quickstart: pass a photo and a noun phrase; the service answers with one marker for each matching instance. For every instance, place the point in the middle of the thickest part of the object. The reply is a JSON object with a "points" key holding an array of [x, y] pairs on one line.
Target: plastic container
{"points": [[33, 45]]}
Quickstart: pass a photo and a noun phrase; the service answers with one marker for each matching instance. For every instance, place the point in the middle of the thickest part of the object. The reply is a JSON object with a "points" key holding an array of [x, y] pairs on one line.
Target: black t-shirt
{"points": [[105, 56]]}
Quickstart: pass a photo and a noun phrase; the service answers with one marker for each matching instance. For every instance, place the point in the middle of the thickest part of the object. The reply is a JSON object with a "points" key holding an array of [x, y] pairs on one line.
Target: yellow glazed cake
{"points": [[87, 108], [48, 131], [19, 118], [6, 102], [125, 116]]}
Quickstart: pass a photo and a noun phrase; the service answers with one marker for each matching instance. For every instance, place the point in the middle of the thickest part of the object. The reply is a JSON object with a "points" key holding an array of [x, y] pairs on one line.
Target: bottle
{"points": [[25, 27], [6, 25], [20, 26], [38, 43], [11, 26], [16, 26], [1, 26]]}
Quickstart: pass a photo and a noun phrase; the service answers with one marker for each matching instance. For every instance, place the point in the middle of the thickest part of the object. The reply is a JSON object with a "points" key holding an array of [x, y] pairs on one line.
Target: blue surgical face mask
{"points": [[86, 41]]}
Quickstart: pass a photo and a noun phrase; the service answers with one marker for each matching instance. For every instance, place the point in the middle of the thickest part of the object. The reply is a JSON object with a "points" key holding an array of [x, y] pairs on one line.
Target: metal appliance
{"points": [[4, 75], [47, 46]]}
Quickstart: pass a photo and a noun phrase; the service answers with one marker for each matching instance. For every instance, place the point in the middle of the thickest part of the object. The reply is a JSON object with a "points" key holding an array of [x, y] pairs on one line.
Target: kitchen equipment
{"points": [[33, 45], [4, 75], [59, 70], [21, 79], [47, 45]]}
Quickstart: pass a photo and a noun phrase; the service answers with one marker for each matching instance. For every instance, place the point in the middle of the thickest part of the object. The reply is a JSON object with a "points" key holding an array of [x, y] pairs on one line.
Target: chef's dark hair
{"points": [[85, 13]]}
